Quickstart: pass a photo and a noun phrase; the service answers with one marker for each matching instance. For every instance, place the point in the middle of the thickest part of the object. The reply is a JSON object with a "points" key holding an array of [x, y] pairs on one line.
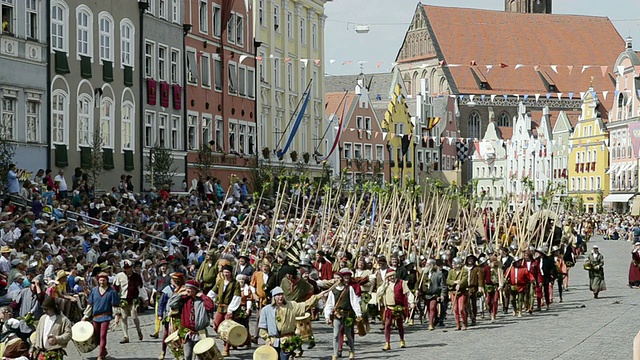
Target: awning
{"points": [[613, 168], [618, 198]]}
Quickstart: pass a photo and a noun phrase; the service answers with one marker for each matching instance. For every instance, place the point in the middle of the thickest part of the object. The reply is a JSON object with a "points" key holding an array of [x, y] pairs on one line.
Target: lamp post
{"points": [[389, 150]]}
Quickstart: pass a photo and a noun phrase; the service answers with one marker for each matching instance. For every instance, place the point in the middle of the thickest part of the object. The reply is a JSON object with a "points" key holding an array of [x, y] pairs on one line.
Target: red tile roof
{"points": [[334, 104], [494, 37]]}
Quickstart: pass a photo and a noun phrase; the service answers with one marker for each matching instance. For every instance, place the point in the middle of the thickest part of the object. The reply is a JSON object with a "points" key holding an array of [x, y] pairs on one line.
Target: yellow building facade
{"points": [[290, 35], [399, 136], [588, 180]]}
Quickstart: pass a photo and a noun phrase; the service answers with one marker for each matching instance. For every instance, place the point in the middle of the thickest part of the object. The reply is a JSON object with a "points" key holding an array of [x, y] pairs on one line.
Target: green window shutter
{"points": [[107, 159], [128, 76], [85, 67], [85, 157], [62, 159], [62, 65], [107, 71], [128, 160]]}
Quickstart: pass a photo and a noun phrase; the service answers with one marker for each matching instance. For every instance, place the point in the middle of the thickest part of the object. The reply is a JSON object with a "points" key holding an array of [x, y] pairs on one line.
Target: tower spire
{"points": [[528, 6]]}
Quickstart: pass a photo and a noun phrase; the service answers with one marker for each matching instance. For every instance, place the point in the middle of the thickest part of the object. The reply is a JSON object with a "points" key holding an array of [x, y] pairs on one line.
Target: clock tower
{"points": [[528, 6]]}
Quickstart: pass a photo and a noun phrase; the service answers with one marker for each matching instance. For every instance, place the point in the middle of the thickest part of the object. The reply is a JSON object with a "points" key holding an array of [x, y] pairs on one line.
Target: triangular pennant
{"points": [[473, 63], [259, 58], [554, 68], [461, 97], [317, 62], [331, 61], [548, 96], [442, 63], [537, 97], [536, 67], [471, 97], [286, 60], [503, 65], [384, 135], [304, 62], [482, 97], [347, 62], [559, 96], [604, 69], [506, 96], [489, 67], [518, 66], [493, 97], [391, 136], [585, 67], [242, 57], [526, 96], [570, 96], [379, 63], [604, 94], [570, 68]]}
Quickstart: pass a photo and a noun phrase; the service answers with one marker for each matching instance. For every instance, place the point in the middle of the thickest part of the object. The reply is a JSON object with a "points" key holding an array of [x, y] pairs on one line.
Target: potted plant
{"points": [[294, 156], [266, 153], [306, 157]]}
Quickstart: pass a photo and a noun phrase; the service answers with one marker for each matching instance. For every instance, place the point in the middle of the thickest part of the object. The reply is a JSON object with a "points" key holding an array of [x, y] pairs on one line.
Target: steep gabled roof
{"points": [[489, 37]]}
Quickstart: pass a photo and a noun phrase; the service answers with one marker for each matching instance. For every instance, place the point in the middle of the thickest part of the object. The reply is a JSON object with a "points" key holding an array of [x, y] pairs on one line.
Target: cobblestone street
{"points": [[580, 327]]}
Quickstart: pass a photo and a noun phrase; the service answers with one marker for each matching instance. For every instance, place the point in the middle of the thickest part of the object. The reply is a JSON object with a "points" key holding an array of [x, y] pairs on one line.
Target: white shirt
{"points": [[62, 183], [331, 302], [48, 325]]}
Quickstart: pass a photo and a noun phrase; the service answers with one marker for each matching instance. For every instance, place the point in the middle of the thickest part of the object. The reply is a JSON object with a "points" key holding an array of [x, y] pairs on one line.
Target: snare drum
{"points": [[175, 345], [265, 352], [303, 327], [82, 336], [206, 349], [232, 332]]}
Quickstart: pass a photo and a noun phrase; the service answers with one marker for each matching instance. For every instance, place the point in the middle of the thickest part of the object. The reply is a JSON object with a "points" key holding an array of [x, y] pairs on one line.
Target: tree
{"points": [[7, 151], [95, 166], [206, 161], [160, 167]]}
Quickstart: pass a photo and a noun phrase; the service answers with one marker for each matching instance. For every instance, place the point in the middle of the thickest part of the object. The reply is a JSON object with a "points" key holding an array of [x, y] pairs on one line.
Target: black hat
{"points": [[227, 267], [289, 270], [49, 303]]}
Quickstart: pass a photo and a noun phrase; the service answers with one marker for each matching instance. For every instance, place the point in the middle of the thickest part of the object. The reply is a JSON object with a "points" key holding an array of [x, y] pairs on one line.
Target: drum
{"points": [[265, 352], [232, 332], [206, 349], [82, 336], [374, 299], [32, 338], [174, 343], [362, 326], [303, 327]]}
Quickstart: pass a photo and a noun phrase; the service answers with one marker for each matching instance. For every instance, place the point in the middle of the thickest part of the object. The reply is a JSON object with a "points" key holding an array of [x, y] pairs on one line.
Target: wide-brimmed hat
{"points": [[5, 250], [60, 274]]}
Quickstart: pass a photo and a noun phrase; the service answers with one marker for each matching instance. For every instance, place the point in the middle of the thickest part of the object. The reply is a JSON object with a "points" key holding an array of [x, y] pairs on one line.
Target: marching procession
{"points": [[261, 270]]}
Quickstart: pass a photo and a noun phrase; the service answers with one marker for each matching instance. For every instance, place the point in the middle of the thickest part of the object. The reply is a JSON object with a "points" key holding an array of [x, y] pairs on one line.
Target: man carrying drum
{"points": [[263, 282], [53, 332], [176, 285], [102, 301], [342, 310], [194, 308], [129, 285], [226, 293]]}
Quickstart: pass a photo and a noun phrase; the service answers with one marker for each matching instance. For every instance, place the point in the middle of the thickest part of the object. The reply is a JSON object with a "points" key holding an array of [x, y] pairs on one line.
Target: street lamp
{"points": [[359, 28]]}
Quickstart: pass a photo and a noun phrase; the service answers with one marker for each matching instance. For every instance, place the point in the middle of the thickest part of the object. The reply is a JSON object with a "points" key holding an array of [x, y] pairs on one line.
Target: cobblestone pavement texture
{"points": [[579, 328]]}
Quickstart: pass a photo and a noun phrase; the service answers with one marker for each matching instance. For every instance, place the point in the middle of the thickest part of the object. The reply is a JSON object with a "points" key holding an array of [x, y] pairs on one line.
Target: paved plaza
{"points": [[579, 328]]}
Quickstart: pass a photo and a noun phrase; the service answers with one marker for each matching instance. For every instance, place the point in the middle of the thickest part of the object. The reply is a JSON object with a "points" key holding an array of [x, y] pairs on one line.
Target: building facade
{"points": [[162, 105], [290, 59], [624, 133], [490, 168], [23, 84], [589, 157], [562, 130], [94, 88]]}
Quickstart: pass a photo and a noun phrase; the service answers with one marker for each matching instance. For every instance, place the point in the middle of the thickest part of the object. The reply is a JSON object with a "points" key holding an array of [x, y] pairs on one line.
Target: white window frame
{"points": [[89, 119], [175, 11], [175, 132], [149, 126], [233, 128], [251, 82], [10, 116], [123, 128], [110, 123], [216, 20], [163, 62], [35, 117], [218, 76], [261, 13], [152, 7], [357, 148], [251, 139], [303, 77], [106, 37], [61, 25], [162, 9], [207, 128], [232, 87], [219, 134], [163, 124], [149, 57], [192, 123], [203, 19], [35, 13], [290, 76], [242, 83], [231, 28], [129, 42], [192, 55], [276, 72], [290, 33], [175, 72], [276, 18], [12, 5], [205, 63], [347, 151], [64, 114], [88, 29], [303, 30], [261, 67], [314, 35], [239, 30]]}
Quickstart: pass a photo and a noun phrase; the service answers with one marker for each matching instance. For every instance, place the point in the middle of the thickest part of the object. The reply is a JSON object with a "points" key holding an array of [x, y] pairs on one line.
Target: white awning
{"points": [[618, 198], [625, 167], [613, 168]]}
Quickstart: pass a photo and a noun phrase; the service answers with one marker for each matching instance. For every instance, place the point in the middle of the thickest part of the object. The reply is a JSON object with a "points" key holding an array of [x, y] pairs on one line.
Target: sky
{"points": [[388, 21]]}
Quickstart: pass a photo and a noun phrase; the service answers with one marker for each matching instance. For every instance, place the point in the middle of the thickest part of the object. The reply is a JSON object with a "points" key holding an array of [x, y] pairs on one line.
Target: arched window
{"points": [[621, 106], [59, 26], [504, 120], [85, 123], [126, 125], [127, 41], [442, 87], [416, 83], [106, 36], [407, 84], [84, 24], [59, 116], [106, 122], [473, 125]]}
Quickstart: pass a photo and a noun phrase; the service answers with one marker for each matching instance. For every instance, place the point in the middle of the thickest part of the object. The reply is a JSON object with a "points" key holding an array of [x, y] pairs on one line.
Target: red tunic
{"points": [[325, 270], [519, 277], [634, 269], [187, 317]]}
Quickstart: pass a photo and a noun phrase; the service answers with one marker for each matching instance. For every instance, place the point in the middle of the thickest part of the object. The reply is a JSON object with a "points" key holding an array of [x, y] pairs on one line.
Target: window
{"points": [[149, 51], [8, 129], [175, 68], [106, 37], [149, 123], [251, 77], [217, 63], [231, 29], [379, 153], [290, 75], [106, 123], [175, 11], [367, 123], [126, 126], [239, 30], [347, 151], [162, 9], [85, 31], [316, 86], [233, 78], [204, 17], [175, 132], [85, 124], [8, 20], [314, 35], [162, 129], [33, 121], [251, 140], [276, 18], [242, 137], [504, 120], [242, 78], [473, 125], [261, 66], [192, 137], [303, 31], [303, 78], [359, 122], [59, 117], [127, 48], [219, 135], [192, 67], [232, 137], [205, 70], [598, 183], [217, 21], [276, 72], [207, 123], [152, 7], [59, 27], [290, 25], [32, 19], [368, 151], [261, 12]]}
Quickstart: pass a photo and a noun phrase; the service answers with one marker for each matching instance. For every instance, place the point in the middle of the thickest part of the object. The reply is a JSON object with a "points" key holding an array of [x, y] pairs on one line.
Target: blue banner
{"points": [[296, 125]]}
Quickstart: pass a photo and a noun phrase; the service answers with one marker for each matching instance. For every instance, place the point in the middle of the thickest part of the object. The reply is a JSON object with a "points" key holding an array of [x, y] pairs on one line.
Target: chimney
{"points": [[629, 43]]}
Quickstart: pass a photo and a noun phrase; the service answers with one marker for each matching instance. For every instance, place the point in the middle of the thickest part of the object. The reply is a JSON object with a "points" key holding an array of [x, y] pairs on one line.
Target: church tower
{"points": [[528, 6]]}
